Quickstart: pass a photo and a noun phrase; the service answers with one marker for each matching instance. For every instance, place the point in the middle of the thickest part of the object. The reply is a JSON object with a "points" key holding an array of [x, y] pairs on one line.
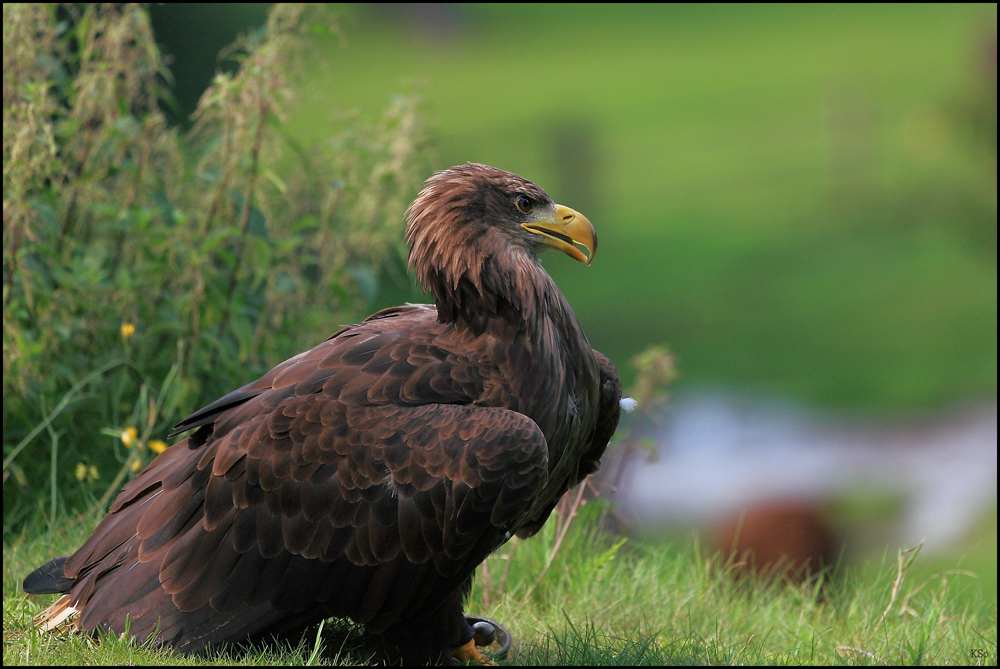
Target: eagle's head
{"points": [[482, 228]]}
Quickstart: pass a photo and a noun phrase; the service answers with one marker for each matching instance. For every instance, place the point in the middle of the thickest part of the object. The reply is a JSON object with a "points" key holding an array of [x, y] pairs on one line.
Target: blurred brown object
{"points": [[782, 539]]}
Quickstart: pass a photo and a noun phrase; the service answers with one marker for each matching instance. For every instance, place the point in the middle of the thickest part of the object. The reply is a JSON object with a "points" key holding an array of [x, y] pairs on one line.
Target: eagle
{"points": [[369, 476]]}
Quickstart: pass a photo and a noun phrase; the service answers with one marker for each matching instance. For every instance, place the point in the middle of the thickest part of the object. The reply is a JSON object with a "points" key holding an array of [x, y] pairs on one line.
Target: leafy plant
{"points": [[180, 266]]}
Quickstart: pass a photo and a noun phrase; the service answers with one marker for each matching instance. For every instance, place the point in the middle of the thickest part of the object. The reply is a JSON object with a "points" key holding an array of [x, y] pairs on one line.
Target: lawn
{"points": [[606, 601]]}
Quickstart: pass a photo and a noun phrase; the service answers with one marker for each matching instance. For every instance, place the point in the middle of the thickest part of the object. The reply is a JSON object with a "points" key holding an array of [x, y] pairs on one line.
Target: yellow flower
{"points": [[157, 446], [136, 465], [128, 329], [129, 435], [85, 473]]}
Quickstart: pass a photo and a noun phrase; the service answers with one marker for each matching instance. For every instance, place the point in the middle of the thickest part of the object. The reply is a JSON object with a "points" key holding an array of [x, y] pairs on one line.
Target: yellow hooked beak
{"points": [[564, 230]]}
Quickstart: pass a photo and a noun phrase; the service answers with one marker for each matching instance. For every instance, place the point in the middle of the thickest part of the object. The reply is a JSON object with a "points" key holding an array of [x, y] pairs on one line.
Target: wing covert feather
{"points": [[361, 455]]}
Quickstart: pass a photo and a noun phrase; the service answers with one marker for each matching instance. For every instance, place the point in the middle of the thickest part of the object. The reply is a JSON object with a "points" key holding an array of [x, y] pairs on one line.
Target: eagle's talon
{"points": [[490, 633], [469, 654], [485, 633]]}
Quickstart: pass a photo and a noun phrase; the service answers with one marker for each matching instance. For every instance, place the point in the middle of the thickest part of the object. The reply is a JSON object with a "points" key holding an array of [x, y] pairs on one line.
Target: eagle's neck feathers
{"points": [[479, 275], [507, 295], [466, 252]]}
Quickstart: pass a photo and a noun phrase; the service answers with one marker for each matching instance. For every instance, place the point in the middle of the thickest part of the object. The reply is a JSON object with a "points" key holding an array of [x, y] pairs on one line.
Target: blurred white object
{"points": [[718, 453]]}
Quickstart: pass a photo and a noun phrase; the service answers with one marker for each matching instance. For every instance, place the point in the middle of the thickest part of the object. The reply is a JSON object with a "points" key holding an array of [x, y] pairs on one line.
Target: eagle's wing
{"points": [[609, 403], [356, 477], [609, 413]]}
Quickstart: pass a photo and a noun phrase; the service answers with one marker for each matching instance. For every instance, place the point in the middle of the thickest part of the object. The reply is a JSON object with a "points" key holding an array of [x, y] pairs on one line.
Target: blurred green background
{"points": [[799, 200]]}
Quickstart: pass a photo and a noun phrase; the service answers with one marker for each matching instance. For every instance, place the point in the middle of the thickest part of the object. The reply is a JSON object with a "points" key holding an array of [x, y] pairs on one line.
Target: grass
{"points": [[605, 602]]}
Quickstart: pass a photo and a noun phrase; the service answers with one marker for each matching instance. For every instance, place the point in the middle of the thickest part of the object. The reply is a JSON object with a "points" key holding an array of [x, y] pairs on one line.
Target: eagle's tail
{"points": [[52, 617], [51, 579]]}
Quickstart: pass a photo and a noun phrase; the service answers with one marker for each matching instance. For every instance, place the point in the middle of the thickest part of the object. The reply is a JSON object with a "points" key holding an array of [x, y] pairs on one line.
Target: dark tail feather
{"points": [[49, 579]]}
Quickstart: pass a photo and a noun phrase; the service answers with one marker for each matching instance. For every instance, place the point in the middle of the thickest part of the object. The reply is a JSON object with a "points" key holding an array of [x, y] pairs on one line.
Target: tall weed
{"points": [[182, 266]]}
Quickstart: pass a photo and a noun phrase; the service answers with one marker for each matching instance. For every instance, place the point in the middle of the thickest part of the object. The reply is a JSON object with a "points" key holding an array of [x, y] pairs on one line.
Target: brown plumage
{"points": [[369, 476]]}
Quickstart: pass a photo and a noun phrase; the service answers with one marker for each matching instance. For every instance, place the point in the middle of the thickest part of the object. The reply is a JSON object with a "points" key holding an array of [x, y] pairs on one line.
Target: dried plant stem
{"points": [[130, 199], [223, 179], [13, 260], [566, 519], [514, 543], [487, 583], [906, 559], [65, 402], [70, 218], [151, 414], [628, 451], [53, 472], [905, 606], [245, 218]]}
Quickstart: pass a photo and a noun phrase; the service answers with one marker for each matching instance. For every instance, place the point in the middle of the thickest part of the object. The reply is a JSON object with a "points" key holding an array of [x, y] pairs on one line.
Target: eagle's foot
{"points": [[493, 639], [485, 633], [469, 654]]}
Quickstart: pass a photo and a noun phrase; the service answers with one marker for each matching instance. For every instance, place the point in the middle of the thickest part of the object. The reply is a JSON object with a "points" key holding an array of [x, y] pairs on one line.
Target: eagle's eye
{"points": [[523, 203]]}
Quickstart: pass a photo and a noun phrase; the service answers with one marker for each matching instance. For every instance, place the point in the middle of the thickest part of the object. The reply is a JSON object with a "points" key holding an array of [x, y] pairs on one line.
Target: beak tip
{"points": [[567, 230]]}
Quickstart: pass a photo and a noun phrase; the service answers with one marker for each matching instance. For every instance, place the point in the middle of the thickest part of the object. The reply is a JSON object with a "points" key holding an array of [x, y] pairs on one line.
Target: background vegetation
{"points": [[146, 271], [800, 200]]}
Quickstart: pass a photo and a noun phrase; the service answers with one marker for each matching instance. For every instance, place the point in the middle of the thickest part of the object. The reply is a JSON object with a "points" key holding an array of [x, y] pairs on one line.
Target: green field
{"points": [[790, 197], [613, 602]]}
